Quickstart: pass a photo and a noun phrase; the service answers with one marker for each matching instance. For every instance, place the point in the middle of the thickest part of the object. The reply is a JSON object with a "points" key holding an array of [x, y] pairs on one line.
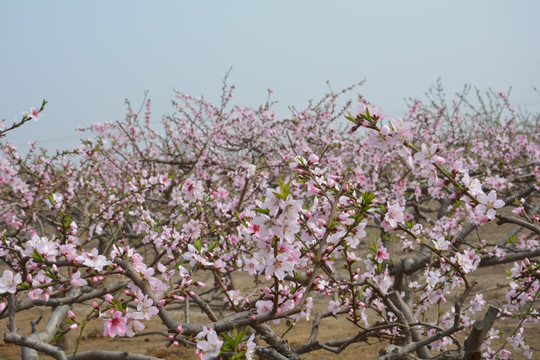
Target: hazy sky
{"points": [[85, 58]]}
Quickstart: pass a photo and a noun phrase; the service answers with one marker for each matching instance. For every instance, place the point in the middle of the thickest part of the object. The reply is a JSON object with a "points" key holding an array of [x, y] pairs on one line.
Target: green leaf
{"points": [[284, 188], [37, 256], [350, 118], [262, 211], [198, 244], [23, 286], [368, 197], [228, 337], [278, 195], [60, 333], [367, 115]]}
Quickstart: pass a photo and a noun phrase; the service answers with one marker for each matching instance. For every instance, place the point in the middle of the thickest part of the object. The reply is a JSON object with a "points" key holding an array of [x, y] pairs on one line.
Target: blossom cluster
{"points": [[377, 221]]}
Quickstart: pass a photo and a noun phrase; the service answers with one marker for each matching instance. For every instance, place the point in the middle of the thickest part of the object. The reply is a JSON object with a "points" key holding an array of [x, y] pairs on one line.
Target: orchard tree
{"points": [[253, 219]]}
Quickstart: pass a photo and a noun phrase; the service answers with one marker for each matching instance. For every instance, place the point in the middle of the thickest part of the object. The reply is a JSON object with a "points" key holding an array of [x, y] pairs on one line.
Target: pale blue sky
{"points": [[85, 58]]}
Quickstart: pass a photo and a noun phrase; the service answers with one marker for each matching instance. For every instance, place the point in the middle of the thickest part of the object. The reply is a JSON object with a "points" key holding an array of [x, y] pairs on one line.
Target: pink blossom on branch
{"points": [[393, 217], [116, 325], [34, 113], [9, 282], [211, 347], [489, 204]]}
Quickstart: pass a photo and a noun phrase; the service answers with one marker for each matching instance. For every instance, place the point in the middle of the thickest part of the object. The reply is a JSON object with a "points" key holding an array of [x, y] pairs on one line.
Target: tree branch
{"points": [[512, 220], [29, 342], [478, 334]]}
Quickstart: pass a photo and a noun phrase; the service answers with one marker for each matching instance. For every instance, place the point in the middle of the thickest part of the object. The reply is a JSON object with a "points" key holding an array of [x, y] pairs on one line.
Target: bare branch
{"points": [[274, 340], [509, 219], [478, 334], [509, 258], [29, 342]]}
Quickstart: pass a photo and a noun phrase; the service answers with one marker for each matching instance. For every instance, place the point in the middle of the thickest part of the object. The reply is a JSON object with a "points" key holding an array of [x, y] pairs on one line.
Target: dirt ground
{"points": [[491, 282]]}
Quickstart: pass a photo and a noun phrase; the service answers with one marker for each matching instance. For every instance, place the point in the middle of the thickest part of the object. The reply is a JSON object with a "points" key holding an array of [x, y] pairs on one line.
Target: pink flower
{"points": [[95, 261], [385, 130], [427, 155], [376, 112], [165, 180], [69, 251], [279, 266], [34, 294], [8, 282], [235, 297], [313, 159], [504, 354], [381, 254], [441, 244], [145, 306], [133, 324], [57, 200], [264, 307], [43, 246], [468, 260], [250, 348], [393, 217], [34, 114], [287, 229], [356, 234], [116, 325], [291, 209], [489, 203], [518, 210], [210, 347], [271, 201], [478, 302], [401, 129], [333, 306], [474, 187], [193, 190], [265, 226], [76, 279]]}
